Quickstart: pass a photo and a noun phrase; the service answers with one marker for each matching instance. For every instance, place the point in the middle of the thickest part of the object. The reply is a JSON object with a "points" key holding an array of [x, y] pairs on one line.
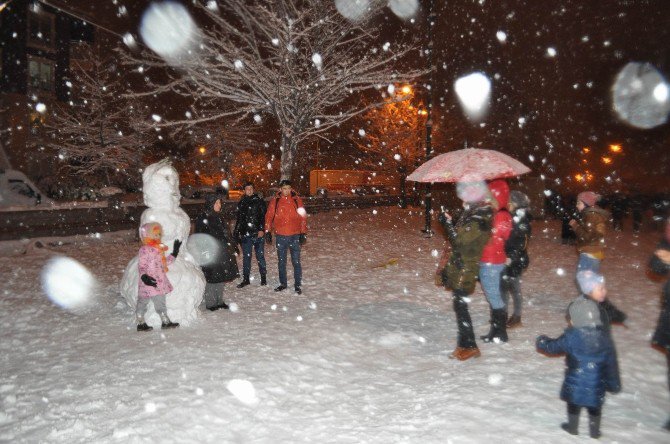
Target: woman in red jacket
{"points": [[492, 263]]}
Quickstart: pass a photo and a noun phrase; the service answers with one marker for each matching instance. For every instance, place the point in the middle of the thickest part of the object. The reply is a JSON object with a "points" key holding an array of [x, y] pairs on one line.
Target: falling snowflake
{"points": [[502, 36], [361, 132], [239, 65], [156, 118], [257, 118], [551, 52], [317, 60]]}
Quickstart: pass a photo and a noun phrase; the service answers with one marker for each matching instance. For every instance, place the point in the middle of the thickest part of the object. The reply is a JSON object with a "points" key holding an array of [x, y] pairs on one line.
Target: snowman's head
{"points": [[160, 184]]}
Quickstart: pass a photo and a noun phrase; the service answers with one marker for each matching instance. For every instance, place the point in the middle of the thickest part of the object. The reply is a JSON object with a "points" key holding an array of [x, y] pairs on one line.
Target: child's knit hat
{"points": [[147, 230], [589, 198], [588, 280], [584, 312]]}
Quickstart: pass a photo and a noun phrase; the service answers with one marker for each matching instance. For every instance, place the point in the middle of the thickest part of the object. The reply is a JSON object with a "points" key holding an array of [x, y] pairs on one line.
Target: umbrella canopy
{"points": [[468, 165]]}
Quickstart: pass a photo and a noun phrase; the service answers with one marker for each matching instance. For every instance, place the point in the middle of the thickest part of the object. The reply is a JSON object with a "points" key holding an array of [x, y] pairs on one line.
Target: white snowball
{"points": [[238, 65], [551, 52], [168, 29], [302, 212], [244, 391], [501, 36], [640, 96], [129, 40], [352, 9], [361, 132], [40, 107], [404, 9], [317, 60], [257, 118], [474, 91], [233, 307], [204, 248], [67, 282], [156, 118], [275, 42], [374, 212]]}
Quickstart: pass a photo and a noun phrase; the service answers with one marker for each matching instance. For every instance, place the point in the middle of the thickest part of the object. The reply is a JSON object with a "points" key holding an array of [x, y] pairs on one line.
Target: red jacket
{"points": [[282, 215], [494, 250]]}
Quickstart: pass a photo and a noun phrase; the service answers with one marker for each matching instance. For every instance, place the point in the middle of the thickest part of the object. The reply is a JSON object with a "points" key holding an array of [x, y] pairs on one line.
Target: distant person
{"points": [[591, 360], [591, 227], [516, 249], [492, 262], [223, 267], [660, 264], [467, 238], [286, 216], [249, 232], [154, 283]]}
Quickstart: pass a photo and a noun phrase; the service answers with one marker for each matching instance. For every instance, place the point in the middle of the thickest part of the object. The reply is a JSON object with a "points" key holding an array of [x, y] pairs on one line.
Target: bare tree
{"points": [[297, 62], [93, 133]]}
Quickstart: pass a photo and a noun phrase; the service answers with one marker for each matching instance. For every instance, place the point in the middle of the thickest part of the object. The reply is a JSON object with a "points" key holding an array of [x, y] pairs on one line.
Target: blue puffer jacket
{"points": [[591, 361]]}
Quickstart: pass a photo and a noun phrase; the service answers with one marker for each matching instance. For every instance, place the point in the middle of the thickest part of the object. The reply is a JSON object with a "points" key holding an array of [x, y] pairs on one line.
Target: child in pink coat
{"points": [[154, 283]]}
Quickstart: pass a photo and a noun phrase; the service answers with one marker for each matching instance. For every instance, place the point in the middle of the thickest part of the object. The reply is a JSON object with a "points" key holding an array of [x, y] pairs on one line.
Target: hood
{"points": [[210, 199], [500, 191]]}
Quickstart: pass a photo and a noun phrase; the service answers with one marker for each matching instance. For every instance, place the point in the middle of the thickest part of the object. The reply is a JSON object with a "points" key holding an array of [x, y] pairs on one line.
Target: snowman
{"points": [[160, 185]]}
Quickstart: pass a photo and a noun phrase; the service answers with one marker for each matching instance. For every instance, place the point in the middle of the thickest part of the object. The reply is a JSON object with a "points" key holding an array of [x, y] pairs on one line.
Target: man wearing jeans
{"points": [[249, 232], [286, 215]]}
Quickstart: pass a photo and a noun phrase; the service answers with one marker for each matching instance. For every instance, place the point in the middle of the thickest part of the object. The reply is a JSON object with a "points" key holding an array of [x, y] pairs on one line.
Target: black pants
{"points": [[466, 334], [576, 409]]}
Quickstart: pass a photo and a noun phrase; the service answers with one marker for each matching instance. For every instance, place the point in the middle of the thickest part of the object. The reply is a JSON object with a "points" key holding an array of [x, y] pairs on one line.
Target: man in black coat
{"points": [[249, 232]]}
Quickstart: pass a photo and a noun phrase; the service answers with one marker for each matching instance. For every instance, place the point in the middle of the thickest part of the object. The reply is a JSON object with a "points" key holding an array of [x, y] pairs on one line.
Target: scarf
{"points": [[160, 247]]}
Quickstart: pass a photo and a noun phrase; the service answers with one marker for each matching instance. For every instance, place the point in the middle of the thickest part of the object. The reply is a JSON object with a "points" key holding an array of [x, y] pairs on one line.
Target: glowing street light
{"points": [[615, 148], [607, 160], [202, 150], [586, 150], [407, 89]]}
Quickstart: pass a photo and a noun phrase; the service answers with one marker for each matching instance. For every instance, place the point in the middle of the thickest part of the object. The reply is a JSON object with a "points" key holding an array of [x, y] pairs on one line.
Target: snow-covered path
{"points": [[361, 356]]}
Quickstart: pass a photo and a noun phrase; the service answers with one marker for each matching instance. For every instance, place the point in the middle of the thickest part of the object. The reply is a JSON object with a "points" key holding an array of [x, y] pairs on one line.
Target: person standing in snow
{"points": [[154, 283], [467, 239], [591, 228], [249, 232], [516, 249], [493, 262], [591, 360], [224, 267], [660, 264], [286, 216]]}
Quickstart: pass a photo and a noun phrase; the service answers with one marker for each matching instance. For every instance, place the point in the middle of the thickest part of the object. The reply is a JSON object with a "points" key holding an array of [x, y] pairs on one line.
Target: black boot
{"points": [[487, 337], [280, 288], [144, 327], [166, 322], [498, 331], [466, 334], [594, 426], [223, 306], [263, 280], [572, 426], [244, 282]]}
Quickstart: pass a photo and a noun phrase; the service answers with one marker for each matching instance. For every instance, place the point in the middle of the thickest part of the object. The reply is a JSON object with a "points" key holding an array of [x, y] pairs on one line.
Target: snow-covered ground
{"points": [[360, 357]]}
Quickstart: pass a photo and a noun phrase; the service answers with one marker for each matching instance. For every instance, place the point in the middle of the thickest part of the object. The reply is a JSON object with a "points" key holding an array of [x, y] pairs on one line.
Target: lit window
{"points": [[41, 74]]}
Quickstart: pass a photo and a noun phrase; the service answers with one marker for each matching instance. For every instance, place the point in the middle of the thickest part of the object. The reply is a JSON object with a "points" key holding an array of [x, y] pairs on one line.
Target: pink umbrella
{"points": [[468, 165]]}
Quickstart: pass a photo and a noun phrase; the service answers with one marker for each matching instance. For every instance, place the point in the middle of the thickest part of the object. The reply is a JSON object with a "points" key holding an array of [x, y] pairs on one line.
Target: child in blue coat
{"points": [[591, 360]]}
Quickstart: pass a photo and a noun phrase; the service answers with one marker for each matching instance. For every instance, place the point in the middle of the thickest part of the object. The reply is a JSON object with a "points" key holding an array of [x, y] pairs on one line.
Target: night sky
{"points": [[565, 100]]}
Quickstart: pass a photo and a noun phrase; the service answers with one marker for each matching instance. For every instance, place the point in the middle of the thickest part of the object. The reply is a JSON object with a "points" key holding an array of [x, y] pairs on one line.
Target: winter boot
{"points": [[514, 321], [465, 353], [223, 306], [280, 288], [594, 426], [572, 426], [491, 333], [298, 289], [263, 279], [498, 331], [142, 325], [166, 322], [244, 282]]}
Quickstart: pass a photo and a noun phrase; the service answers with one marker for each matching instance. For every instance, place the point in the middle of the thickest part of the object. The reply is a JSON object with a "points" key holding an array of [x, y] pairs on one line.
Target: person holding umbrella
{"points": [[467, 238]]}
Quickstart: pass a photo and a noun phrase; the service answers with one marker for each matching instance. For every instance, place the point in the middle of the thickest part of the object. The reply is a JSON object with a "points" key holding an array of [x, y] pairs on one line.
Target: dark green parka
{"points": [[467, 238]]}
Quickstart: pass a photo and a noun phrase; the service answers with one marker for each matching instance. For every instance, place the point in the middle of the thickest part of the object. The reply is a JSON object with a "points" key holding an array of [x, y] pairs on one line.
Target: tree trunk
{"points": [[289, 149]]}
